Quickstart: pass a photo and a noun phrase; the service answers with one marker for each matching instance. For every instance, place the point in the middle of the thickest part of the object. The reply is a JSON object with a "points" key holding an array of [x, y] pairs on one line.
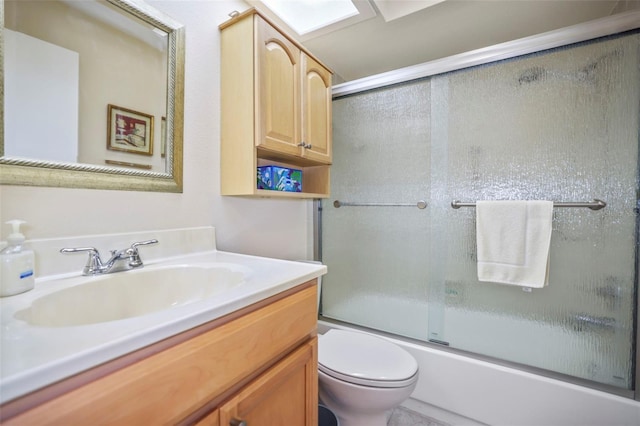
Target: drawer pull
{"points": [[236, 422]]}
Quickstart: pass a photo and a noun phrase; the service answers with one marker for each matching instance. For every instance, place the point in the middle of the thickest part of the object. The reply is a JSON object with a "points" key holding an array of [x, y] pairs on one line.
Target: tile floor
{"points": [[404, 417]]}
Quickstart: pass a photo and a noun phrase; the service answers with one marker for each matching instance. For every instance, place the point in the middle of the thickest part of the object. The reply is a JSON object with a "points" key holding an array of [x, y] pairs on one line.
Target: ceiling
{"points": [[424, 30]]}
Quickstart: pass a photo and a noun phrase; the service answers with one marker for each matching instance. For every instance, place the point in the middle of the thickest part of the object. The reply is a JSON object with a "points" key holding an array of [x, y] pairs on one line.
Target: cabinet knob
{"points": [[236, 422], [308, 146], [302, 144]]}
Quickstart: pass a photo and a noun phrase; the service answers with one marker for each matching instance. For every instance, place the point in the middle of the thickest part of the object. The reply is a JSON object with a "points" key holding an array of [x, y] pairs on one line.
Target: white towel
{"points": [[513, 240]]}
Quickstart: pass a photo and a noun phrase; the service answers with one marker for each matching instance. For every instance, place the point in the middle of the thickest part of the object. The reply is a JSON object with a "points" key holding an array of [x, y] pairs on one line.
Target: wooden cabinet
{"points": [[276, 108], [257, 364], [282, 396]]}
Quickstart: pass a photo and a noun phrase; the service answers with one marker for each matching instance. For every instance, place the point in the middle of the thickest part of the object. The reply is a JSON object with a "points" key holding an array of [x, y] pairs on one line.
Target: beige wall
{"points": [[276, 228]]}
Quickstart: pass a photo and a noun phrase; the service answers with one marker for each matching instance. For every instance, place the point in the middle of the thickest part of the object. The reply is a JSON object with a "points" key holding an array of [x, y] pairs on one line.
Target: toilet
{"points": [[363, 377]]}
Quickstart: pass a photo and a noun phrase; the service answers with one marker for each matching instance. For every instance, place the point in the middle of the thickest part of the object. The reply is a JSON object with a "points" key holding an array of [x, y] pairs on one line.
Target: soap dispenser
{"points": [[16, 264]]}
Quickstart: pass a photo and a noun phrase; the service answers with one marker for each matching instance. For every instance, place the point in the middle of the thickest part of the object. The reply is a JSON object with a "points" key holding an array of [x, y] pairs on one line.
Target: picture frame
{"points": [[127, 164], [163, 137], [129, 131]]}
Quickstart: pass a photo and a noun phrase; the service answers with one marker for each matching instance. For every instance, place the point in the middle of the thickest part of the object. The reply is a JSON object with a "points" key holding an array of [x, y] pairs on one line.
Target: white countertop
{"points": [[32, 357]]}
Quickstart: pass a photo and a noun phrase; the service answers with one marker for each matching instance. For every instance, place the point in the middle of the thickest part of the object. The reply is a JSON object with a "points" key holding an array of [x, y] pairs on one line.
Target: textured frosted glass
{"points": [[561, 125], [379, 256]]}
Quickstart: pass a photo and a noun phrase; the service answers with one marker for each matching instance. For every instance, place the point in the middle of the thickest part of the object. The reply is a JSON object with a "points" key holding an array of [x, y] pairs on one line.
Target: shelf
{"points": [[315, 182]]}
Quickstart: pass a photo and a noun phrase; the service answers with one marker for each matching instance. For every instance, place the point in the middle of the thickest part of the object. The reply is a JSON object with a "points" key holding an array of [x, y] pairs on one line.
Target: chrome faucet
{"points": [[121, 260]]}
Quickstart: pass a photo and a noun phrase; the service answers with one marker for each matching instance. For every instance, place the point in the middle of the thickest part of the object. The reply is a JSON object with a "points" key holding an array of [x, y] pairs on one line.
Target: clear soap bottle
{"points": [[16, 264]]}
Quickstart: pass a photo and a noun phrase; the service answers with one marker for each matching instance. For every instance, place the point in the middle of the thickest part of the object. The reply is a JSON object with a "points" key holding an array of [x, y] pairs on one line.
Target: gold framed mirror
{"points": [[123, 101]]}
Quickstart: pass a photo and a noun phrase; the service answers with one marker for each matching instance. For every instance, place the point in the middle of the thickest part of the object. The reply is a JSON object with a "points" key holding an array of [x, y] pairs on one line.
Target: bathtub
{"points": [[460, 390]]}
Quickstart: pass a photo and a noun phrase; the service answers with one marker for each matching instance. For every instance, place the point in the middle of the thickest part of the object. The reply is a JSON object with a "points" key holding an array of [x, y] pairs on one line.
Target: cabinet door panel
{"points": [[316, 107], [287, 394], [278, 105]]}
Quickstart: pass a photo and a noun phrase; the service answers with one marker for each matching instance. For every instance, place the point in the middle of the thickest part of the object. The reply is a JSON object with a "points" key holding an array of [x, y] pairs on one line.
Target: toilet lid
{"points": [[362, 358]]}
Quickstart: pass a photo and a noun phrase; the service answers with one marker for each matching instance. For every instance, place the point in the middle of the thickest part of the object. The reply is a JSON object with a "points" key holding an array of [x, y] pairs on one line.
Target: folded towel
{"points": [[513, 240]]}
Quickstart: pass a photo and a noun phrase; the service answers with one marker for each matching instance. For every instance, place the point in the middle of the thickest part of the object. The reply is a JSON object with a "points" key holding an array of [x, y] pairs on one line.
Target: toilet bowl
{"points": [[363, 377]]}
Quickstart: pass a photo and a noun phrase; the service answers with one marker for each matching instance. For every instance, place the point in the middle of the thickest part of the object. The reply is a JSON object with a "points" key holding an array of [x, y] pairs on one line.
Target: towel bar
{"points": [[593, 205], [420, 204]]}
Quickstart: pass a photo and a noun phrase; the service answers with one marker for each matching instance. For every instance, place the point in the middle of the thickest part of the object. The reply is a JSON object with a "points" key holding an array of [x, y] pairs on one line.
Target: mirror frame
{"points": [[15, 171]]}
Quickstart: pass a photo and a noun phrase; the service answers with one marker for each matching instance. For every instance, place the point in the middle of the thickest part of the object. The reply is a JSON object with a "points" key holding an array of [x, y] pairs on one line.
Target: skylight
{"points": [[305, 16]]}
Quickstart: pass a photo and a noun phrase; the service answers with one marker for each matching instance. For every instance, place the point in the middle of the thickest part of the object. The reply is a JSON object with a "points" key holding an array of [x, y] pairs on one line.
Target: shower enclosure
{"points": [[559, 124]]}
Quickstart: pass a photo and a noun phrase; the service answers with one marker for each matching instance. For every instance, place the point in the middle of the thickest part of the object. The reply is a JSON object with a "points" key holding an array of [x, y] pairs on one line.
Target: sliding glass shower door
{"points": [[380, 254], [559, 125]]}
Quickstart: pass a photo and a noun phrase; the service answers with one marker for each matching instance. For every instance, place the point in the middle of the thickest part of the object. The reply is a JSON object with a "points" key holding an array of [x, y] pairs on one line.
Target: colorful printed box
{"points": [[279, 178]]}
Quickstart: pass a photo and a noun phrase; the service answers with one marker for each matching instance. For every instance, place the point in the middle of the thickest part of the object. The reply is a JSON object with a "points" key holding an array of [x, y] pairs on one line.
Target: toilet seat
{"points": [[363, 359]]}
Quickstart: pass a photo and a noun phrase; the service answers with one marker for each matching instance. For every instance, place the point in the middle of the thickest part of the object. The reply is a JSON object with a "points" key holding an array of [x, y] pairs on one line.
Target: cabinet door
{"points": [[278, 96], [316, 110], [287, 394], [211, 419]]}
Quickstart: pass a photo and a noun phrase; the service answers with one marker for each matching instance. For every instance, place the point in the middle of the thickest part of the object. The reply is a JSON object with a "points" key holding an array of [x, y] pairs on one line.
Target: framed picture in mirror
{"points": [[129, 131], [163, 138]]}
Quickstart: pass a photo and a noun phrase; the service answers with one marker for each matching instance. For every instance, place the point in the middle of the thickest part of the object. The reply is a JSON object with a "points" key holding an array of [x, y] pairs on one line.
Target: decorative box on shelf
{"points": [[279, 179]]}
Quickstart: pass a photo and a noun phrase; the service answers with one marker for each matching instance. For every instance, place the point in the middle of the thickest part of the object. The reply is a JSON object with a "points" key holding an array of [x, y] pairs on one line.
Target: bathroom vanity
{"points": [[247, 353], [259, 362]]}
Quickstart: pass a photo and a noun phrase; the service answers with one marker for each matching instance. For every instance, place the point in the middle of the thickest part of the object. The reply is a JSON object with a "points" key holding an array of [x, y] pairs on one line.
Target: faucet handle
{"points": [[143, 243], [94, 264], [134, 256]]}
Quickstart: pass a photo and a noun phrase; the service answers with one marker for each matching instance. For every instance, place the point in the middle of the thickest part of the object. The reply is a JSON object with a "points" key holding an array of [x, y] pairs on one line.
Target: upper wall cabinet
{"points": [[276, 109]]}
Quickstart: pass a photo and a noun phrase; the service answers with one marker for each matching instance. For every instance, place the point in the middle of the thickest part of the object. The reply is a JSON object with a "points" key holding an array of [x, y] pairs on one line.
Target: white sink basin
{"points": [[130, 294]]}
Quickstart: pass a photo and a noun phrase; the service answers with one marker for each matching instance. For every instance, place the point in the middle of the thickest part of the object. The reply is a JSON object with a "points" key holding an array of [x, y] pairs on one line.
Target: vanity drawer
{"points": [[175, 383]]}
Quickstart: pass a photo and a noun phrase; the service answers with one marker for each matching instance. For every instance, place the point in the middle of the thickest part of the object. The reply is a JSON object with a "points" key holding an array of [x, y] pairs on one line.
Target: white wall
{"points": [[276, 228]]}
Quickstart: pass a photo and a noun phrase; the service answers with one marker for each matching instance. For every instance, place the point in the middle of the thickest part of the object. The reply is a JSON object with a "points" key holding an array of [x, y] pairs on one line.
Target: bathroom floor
{"points": [[404, 417]]}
